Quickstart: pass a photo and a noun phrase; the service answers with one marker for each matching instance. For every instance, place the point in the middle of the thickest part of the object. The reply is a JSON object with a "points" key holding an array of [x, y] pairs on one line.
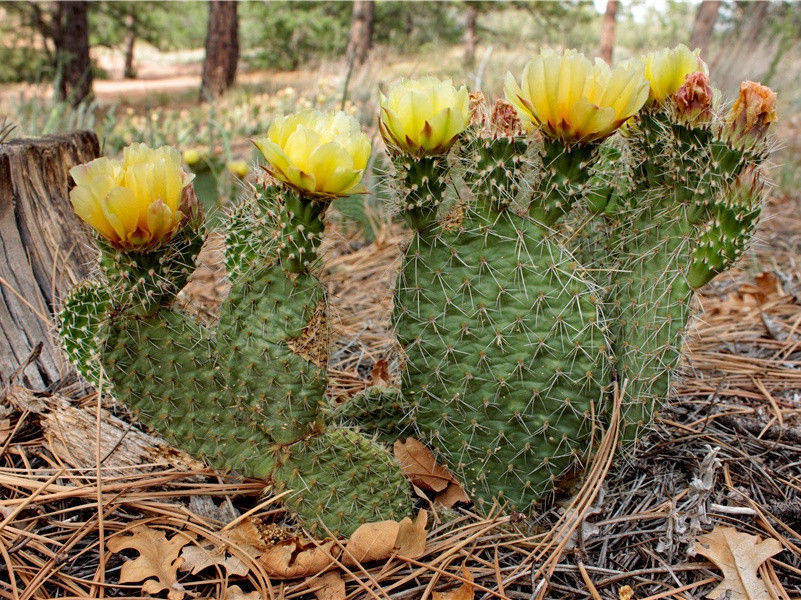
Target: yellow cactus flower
{"points": [[239, 168], [191, 156], [667, 69], [135, 203], [423, 117], [575, 100], [320, 154]]}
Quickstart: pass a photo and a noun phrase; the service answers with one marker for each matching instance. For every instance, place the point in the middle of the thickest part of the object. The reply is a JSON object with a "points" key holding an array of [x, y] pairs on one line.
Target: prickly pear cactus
{"points": [[504, 349], [248, 394], [688, 215]]}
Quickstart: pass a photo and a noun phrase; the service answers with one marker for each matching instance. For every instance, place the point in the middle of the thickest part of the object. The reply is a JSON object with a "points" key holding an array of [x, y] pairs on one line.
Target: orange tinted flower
{"points": [[753, 111], [694, 99]]}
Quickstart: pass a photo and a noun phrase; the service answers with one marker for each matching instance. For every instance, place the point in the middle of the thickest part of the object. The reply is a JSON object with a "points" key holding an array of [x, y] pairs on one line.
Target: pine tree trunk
{"points": [[130, 39], [608, 32], [705, 18], [222, 49], [470, 35], [44, 250], [361, 32], [755, 16], [74, 80]]}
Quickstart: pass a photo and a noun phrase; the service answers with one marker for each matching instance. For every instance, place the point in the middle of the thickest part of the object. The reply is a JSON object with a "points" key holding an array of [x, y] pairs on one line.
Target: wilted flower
{"points": [[575, 100], [423, 117], [753, 111], [666, 70], [134, 203], [320, 154], [693, 101]]}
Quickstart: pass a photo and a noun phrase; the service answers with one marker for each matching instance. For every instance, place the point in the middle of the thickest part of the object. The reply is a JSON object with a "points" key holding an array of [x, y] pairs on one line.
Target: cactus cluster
{"points": [[557, 240]]}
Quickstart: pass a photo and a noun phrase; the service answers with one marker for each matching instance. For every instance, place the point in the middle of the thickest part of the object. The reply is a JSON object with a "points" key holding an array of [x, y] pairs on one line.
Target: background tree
{"points": [[705, 18], [222, 49], [64, 29], [470, 33], [362, 27], [608, 31]]}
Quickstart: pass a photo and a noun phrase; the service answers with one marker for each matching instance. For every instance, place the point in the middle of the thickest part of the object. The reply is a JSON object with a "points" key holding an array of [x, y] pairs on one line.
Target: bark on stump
{"points": [[44, 250]]}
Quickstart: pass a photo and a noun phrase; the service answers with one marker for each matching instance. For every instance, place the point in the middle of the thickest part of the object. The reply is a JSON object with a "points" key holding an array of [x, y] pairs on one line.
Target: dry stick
{"points": [[255, 509], [10, 437], [774, 406], [10, 568], [683, 588], [588, 582], [101, 565], [19, 296]]}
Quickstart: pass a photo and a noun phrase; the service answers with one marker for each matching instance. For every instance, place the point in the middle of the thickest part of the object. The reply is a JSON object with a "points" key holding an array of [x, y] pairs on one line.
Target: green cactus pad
{"points": [[505, 353], [79, 322]]}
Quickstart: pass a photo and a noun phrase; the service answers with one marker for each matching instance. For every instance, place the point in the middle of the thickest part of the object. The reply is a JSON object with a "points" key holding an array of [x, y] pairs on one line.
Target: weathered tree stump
{"points": [[44, 250]]}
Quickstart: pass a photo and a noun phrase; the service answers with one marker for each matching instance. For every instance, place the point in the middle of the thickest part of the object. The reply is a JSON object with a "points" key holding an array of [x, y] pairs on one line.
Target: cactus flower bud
{"points": [[575, 100], [191, 156], [753, 111], [136, 203], [321, 154], [666, 70], [693, 100], [423, 117], [238, 168]]}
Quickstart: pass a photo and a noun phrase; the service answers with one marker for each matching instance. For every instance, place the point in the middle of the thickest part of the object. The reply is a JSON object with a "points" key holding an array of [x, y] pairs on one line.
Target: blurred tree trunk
{"points": [[754, 17], [222, 49], [130, 39], [470, 34], [361, 32], [705, 18], [71, 37], [608, 32]]}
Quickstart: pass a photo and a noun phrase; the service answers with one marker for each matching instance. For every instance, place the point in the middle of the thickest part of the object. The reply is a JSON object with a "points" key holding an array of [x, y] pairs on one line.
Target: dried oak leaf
{"points": [[738, 555], [466, 591], [378, 541], [295, 558], [245, 536], [158, 560], [234, 592], [379, 374], [329, 586], [418, 464]]}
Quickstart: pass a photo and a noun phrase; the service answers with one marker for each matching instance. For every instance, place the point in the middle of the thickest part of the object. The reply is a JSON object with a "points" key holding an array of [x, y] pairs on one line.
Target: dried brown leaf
{"points": [[158, 561], [379, 374], [245, 536], [420, 466], [379, 541], [411, 540], [466, 591], [197, 558], [330, 586], [738, 555], [234, 592], [291, 559]]}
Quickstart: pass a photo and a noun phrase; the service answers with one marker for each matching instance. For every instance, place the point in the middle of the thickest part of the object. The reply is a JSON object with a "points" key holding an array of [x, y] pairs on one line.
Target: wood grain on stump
{"points": [[44, 250]]}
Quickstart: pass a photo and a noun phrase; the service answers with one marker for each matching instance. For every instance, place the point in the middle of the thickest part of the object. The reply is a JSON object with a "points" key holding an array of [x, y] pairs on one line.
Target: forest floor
{"points": [[724, 453]]}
